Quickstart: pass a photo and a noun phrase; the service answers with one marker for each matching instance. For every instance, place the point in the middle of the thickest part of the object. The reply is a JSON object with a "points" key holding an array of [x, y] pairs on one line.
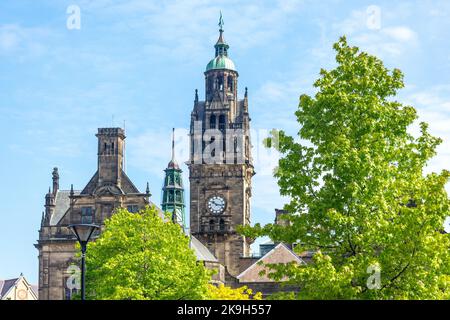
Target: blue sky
{"points": [[140, 61]]}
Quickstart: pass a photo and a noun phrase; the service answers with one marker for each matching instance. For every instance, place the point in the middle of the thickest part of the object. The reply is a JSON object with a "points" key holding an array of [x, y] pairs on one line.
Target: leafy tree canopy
{"points": [[142, 257], [359, 197]]}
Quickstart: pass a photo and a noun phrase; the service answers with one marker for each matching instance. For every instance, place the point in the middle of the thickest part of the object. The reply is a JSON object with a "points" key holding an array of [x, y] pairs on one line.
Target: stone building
{"points": [[220, 177], [173, 190], [220, 165], [108, 189]]}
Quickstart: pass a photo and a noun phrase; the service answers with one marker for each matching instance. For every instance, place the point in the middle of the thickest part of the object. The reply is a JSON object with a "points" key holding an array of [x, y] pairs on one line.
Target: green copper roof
{"points": [[221, 62]]}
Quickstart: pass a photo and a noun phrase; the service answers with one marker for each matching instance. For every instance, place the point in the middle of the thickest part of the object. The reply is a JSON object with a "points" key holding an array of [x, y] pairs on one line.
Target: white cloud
{"points": [[385, 41], [402, 34]]}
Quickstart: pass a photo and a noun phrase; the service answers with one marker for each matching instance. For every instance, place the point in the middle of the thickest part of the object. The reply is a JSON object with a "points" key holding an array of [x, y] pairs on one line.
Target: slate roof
{"points": [[202, 253], [62, 204], [280, 254], [5, 285]]}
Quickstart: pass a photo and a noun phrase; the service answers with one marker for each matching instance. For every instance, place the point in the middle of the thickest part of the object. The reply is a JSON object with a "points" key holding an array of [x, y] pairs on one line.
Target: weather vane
{"points": [[221, 22]]}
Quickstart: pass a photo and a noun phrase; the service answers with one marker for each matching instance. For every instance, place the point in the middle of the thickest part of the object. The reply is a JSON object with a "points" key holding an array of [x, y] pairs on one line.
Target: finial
{"points": [[49, 190], [71, 190], [43, 217], [246, 92], [196, 95], [147, 190], [221, 23]]}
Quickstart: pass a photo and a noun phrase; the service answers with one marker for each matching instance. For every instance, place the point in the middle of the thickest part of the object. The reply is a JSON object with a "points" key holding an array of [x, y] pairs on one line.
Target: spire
{"points": [[173, 190], [221, 23], [221, 46], [173, 144], [173, 164], [55, 178], [147, 190]]}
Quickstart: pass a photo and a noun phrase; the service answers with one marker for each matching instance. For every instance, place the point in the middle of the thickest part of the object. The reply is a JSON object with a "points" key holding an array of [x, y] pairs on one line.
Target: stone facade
{"points": [[220, 176], [220, 166], [108, 189]]}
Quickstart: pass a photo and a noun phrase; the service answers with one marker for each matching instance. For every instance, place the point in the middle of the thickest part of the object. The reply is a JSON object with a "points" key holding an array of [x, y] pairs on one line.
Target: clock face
{"points": [[22, 294], [216, 204]]}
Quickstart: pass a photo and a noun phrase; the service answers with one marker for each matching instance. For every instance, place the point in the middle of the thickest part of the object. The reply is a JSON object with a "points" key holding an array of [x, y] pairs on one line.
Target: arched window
{"points": [[222, 121], [220, 82], [112, 147], [210, 84], [211, 225], [230, 83], [178, 198], [212, 122], [222, 225]]}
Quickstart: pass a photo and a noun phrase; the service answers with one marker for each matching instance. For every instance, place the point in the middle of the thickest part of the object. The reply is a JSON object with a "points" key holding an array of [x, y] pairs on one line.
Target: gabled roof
{"points": [[7, 285], [62, 204], [280, 254], [126, 186], [202, 253]]}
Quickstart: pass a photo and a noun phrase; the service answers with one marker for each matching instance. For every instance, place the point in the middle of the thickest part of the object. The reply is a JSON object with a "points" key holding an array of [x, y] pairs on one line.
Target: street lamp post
{"points": [[83, 233]]}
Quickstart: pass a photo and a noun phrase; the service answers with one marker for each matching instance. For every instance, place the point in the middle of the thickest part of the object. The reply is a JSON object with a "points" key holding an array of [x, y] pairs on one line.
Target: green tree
{"points": [[359, 197], [142, 257]]}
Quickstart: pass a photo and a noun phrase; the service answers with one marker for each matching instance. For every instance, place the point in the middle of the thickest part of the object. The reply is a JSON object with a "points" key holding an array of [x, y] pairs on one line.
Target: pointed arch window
{"points": [[220, 82], [178, 196], [212, 121], [222, 122], [230, 83], [222, 225], [211, 225]]}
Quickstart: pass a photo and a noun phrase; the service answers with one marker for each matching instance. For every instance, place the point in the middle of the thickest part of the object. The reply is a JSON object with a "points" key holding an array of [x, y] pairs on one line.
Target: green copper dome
{"points": [[221, 62]]}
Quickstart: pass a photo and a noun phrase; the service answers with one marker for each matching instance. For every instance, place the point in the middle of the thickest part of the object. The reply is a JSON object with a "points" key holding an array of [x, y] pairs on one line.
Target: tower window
{"points": [[112, 147], [230, 83], [87, 215], [222, 225], [222, 121], [178, 197], [212, 122], [211, 225], [220, 82]]}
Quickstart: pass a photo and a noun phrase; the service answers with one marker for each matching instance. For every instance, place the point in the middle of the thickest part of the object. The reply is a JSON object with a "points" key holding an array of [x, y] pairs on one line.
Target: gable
{"points": [[279, 254]]}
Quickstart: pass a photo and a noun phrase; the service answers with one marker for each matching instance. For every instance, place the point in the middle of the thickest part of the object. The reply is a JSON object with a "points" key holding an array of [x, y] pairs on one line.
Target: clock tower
{"points": [[220, 164]]}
